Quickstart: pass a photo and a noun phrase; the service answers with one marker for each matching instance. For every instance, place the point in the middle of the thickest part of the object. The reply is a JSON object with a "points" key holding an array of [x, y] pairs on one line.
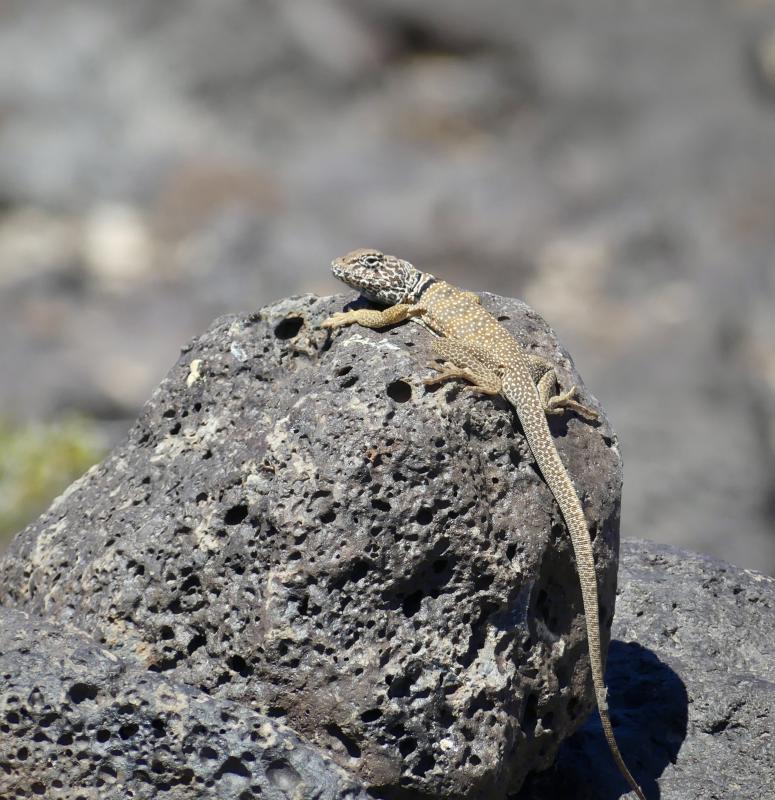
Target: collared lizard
{"points": [[478, 349]]}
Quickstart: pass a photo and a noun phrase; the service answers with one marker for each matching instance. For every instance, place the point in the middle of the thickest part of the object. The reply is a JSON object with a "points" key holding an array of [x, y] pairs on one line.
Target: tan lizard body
{"points": [[484, 353]]}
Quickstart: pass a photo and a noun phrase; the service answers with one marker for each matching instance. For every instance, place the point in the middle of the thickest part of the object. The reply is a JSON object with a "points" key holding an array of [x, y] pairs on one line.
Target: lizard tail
{"points": [[533, 418]]}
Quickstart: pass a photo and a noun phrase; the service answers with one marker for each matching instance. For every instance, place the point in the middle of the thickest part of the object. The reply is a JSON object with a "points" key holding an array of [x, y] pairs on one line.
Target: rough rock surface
{"points": [[693, 702], [296, 524], [75, 721]]}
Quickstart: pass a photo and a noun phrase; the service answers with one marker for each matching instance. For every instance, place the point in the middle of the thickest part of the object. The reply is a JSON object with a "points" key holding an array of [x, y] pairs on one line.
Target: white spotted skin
{"points": [[455, 315]]}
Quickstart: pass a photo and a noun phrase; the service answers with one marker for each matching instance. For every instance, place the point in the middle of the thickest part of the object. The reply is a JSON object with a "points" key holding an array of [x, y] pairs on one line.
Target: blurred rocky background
{"points": [[612, 163]]}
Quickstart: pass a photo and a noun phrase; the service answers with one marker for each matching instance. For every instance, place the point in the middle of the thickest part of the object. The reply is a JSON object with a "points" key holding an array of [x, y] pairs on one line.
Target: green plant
{"points": [[37, 461]]}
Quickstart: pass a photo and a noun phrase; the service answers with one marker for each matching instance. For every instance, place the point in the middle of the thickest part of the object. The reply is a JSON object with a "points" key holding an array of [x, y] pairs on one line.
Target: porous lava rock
{"points": [[78, 722], [298, 525], [691, 673]]}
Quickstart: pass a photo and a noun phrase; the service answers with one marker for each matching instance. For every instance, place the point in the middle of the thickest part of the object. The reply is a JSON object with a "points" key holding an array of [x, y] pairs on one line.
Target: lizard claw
{"points": [[443, 373], [337, 320]]}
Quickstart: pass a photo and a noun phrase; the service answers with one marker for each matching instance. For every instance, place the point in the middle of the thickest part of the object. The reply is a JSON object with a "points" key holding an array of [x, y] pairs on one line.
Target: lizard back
{"points": [[459, 315]]}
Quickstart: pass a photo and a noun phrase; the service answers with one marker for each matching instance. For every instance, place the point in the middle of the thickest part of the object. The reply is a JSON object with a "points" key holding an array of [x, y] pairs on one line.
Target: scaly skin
{"points": [[484, 353]]}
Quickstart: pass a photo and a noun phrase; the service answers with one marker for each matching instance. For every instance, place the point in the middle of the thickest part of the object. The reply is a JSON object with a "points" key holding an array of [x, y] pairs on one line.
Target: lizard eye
{"points": [[371, 261]]}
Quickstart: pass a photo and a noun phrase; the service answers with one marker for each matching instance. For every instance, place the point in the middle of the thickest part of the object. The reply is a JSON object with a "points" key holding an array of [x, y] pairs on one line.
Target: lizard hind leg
{"points": [[555, 403], [463, 364]]}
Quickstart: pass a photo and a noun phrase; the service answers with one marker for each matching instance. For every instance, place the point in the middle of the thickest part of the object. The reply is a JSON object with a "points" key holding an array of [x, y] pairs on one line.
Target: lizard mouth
{"points": [[343, 274], [338, 269]]}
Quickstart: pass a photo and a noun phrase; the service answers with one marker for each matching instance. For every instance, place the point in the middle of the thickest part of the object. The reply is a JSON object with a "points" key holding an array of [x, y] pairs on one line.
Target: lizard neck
{"points": [[423, 282]]}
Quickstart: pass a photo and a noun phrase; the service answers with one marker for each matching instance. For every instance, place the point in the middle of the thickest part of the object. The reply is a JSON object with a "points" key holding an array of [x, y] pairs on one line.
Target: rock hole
{"points": [[380, 505], [328, 517], [128, 731], [82, 691], [349, 744], [289, 327], [359, 571], [481, 702], [407, 746], [283, 776], [372, 715], [232, 766], [483, 582], [412, 603], [530, 717], [426, 763], [239, 665], [424, 516], [400, 391], [235, 515]]}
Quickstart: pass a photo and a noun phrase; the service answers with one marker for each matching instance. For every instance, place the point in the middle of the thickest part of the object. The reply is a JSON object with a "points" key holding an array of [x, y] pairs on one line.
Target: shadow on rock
{"points": [[649, 712]]}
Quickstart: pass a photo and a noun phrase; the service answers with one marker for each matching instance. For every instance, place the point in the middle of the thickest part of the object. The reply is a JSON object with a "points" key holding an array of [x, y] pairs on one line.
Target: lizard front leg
{"points": [[372, 318], [465, 365]]}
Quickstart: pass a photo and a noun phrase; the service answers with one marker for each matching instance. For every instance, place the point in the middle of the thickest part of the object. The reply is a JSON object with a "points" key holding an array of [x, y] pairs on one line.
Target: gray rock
{"points": [[692, 701], [79, 722], [296, 524]]}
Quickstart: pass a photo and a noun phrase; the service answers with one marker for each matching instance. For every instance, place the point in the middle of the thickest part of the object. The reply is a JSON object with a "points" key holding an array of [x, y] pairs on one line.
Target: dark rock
{"points": [[692, 701], [74, 717], [296, 524]]}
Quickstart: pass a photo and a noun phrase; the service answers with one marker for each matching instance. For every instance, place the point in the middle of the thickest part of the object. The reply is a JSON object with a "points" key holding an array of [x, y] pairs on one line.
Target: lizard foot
{"points": [[444, 373], [475, 383], [339, 319], [558, 404]]}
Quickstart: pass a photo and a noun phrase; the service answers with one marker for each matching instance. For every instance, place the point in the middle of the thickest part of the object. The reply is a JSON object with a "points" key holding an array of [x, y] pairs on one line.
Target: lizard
{"points": [[479, 350]]}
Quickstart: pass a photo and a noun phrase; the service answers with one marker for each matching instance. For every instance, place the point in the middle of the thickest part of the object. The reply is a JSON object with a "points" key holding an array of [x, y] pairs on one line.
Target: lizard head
{"points": [[381, 278]]}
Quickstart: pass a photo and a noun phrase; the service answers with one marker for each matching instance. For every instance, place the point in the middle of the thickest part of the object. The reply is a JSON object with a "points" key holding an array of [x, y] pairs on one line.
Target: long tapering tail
{"points": [[519, 390]]}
